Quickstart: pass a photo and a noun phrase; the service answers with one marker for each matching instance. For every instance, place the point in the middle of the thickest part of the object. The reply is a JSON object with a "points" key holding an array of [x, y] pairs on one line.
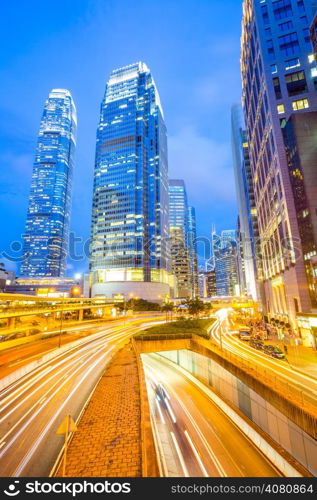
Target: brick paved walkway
{"points": [[108, 440]]}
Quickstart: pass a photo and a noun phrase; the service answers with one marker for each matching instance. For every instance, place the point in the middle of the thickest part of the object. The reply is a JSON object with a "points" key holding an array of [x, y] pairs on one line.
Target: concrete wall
{"points": [[291, 437]]}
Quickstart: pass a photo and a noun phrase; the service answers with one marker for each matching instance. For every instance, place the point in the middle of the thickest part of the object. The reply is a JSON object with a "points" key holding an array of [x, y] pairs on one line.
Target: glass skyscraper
{"points": [[130, 224], [248, 225], [178, 215], [226, 263], [47, 225], [192, 244], [279, 80]]}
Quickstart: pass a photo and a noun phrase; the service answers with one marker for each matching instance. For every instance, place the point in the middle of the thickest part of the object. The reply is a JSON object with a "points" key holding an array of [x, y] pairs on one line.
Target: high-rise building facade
{"points": [[300, 133], [250, 269], [278, 79], [226, 263], [130, 223], [180, 251], [192, 244], [47, 226], [211, 283]]}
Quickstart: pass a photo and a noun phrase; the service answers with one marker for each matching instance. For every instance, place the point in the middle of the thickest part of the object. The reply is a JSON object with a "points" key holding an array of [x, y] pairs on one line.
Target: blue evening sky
{"points": [[192, 48]]}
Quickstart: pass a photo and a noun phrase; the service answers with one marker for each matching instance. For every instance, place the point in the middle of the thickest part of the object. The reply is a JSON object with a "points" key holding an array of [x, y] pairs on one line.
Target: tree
{"points": [[195, 306], [168, 307], [208, 307]]}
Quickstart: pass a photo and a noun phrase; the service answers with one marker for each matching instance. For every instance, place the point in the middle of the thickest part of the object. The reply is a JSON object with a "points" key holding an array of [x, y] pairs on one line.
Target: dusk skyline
{"points": [[196, 103]]}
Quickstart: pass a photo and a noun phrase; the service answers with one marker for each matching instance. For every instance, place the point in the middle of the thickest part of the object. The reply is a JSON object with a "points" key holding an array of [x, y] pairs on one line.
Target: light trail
{"points": [[180, 456], [196, 454], [191, 419]]}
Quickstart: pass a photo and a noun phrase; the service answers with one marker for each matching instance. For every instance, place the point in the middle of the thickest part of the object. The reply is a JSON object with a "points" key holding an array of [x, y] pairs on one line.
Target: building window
{"points": [[292, 63], [296, 305], [288, 25], [273, 69], [282, 9], [280, 109], [296, 83], [268, 32], [300, 104], [301, 6], [277, 88], [289, 44], [304, 19], [265, 14], [307, 37], [283, 122], [270, 48], [313, 72]]}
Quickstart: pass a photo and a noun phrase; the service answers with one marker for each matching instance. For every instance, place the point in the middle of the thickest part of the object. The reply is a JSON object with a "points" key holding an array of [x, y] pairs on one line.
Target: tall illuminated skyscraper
{"points": [[130, 225], [278, 80], [47, 225], [226, 263], [178, 215], [192, 244], [248, 224]]}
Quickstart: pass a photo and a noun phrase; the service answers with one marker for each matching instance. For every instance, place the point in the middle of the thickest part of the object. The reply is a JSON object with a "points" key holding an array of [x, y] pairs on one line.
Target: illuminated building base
{"points": [[151, 291]]}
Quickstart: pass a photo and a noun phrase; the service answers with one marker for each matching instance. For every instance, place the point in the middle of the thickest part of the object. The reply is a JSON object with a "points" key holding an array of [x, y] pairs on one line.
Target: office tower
{"points": [[226, 264], [180, 250], [211, 283], [3, 277], [192, 244], [130, 227], [47, 224], [202, 290], [250, 267], [241, 259], [278, 81]]}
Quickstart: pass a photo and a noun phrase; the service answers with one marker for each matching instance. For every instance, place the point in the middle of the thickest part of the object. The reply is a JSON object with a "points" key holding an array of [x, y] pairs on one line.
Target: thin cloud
{"points": [[205, 165]]}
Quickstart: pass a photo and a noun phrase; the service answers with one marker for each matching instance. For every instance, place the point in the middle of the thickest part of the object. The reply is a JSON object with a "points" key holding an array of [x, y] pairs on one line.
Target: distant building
{"points": [[130, 228], [202, 290], [225, 258], [3, 277], [192, 244], [241, 260], [45, 287], [182, 265], [211, 283], [47, 226], [250, 266]]}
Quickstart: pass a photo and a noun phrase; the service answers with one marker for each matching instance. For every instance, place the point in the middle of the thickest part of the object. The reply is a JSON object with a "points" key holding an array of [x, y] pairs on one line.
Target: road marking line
{"points": [[193, 447], [180, 456]]}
